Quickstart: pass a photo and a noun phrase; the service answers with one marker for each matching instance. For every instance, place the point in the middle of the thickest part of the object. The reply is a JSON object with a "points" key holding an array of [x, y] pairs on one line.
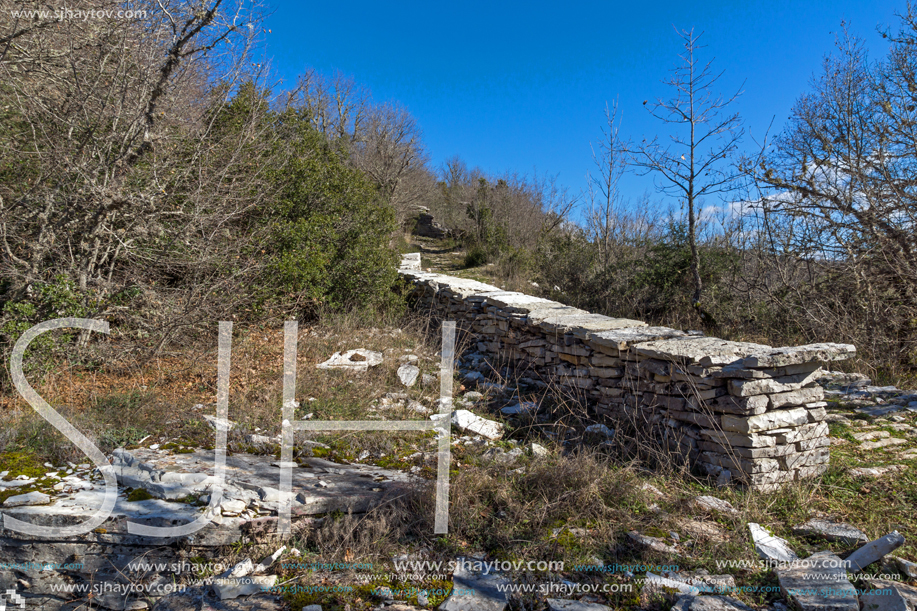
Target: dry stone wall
{"points": [[746, 413]]}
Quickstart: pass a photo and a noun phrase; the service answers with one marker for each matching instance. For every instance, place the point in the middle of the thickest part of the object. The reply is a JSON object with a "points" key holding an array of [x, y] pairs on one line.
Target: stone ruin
{"points": [[745, 413]]}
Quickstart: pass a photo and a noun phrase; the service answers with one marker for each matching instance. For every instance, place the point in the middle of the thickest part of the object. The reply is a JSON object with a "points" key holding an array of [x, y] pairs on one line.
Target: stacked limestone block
{"points": [[747, 412], [744, 412]]}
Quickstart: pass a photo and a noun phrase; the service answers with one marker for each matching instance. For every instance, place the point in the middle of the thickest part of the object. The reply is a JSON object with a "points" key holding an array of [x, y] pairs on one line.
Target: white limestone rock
{"points": [[770, 547], [234, 587], [785, 384], [471, 423], [219, 424], [713, 504], [882, 443], [408, 373], [781, 357], [358, 359], [766, 421], [27, 500], [876, 471]]}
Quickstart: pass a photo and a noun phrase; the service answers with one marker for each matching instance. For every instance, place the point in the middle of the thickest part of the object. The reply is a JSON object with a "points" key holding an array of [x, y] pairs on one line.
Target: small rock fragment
{"points": [[219, 424], [408, 373], [770, 547], [711, 503], [652, 543]]}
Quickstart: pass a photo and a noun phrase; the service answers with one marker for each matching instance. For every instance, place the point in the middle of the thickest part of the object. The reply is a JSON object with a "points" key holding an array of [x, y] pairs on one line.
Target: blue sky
{"points": [[522, 86]]}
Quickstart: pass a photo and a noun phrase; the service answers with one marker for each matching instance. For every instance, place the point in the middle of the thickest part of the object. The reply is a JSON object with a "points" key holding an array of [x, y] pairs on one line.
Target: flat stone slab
{"points": [[818, 583], [832, 531], [705, 351], [234, 587], [878, 411], [550, 311], [27, 500], [561, 604], [888, 596], [750, 387], [882, 443], [475, 591], [875, 471], [520, 303], [766, 421], [870, 435], [461, 287], [581, 324], [690, 602], [795, 355], [472, 423], [622, 339]]}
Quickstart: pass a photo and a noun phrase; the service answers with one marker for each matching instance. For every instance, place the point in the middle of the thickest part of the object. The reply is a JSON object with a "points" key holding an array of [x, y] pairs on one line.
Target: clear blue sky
{"points": [[521, 86]]}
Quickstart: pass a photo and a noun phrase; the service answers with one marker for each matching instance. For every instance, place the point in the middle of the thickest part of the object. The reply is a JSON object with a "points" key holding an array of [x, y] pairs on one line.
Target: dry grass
{"points": [[575, 505]]}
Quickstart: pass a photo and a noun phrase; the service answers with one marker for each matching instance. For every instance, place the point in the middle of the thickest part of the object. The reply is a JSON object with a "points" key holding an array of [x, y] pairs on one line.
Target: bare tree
{"points": [[837, 196], [390, 151], [118, 166], [693, 165], [337, 106], [604, 196]]}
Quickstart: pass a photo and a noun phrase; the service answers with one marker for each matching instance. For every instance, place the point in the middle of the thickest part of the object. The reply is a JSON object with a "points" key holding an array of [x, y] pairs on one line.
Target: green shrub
{"points": [[57, 298], [330, 229], [475, 257]]}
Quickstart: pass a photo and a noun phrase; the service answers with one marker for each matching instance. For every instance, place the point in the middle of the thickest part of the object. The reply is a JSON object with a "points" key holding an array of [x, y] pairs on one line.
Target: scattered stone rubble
{"points": [[178, 484], [746, 413]]}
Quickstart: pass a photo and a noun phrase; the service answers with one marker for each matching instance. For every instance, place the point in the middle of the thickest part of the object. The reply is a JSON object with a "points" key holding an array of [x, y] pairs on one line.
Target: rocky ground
{"points": [[534, 479]]}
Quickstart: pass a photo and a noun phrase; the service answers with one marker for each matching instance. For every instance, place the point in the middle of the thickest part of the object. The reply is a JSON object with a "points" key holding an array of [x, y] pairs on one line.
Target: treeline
{"points": [[152, 176]]}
